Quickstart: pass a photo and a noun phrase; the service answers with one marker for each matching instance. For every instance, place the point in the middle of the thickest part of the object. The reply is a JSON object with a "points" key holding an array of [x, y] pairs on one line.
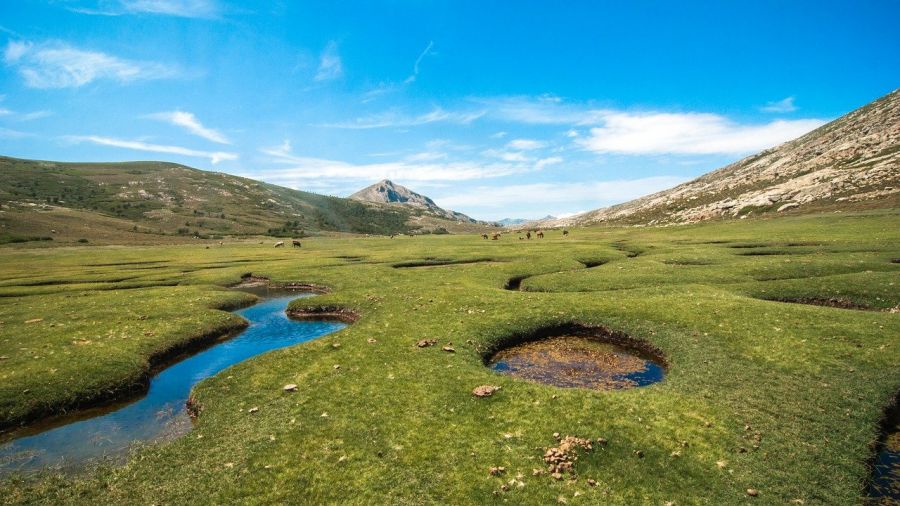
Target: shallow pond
{"points": [[109, 432], [578, 362]]}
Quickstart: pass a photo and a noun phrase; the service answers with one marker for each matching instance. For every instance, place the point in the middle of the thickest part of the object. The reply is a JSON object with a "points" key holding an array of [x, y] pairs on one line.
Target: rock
{"points": [[371, 340], [290, 387], [496, 471], [485, 390], [592, 483], [721, 464], [449, 349], [34, 320], [752, 492], [789, 205], [252, 410], [424, 343]]}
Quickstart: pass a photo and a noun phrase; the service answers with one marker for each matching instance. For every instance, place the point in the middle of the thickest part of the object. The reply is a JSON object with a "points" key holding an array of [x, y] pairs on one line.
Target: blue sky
{"points": [[496, 109]]}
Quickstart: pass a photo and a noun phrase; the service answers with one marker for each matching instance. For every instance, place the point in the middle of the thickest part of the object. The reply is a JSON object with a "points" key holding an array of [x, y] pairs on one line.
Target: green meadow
{"points": [[781, 338]]}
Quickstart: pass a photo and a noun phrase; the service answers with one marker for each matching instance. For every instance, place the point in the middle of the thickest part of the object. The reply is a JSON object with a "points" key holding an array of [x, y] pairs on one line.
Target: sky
{"points": [[493, 108]]}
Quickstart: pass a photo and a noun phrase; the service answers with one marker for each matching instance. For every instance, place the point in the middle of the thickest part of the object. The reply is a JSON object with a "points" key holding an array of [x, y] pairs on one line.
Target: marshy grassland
{"points": [[781, 346]]}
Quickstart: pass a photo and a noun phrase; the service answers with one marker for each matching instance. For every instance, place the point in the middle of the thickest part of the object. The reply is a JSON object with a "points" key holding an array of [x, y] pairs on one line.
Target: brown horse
{"points": [[296, 244], [528, 235], [484, 236], [496, 237], [540, 234], [565, 233]]}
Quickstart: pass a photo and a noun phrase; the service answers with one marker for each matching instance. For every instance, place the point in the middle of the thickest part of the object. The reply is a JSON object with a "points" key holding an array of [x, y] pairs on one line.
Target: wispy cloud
{"points": [[330, 65], [396, 120], [56, 65], [652, 133], [6, 133], [180, 8], [780, 106], [415, 73], [299, 171], [544, 195], [214, 157], [526, 144], [189, 122]]}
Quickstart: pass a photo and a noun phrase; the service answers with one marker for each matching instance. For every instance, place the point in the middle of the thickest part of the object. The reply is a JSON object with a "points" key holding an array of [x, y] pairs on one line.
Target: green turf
{"points": [[804, 383]]}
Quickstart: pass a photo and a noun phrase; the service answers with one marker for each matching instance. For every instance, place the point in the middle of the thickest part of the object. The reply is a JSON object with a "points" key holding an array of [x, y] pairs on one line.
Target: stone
{"points": [[789, 205], [485, 390], [290, 387]]}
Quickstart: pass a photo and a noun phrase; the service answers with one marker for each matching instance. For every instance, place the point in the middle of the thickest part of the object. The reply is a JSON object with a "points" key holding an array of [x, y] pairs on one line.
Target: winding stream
{"points": [[109, 432]]}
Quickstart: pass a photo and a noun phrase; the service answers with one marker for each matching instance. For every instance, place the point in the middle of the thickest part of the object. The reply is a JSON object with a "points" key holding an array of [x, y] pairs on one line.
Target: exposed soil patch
{"points": [[837, 302], [141, 262], [750, 245], [688, 261], [589, 264], [324, 313], [768, 252], [515, 283], [438, 262], [350, 258], [251, 282], [575, 356]]}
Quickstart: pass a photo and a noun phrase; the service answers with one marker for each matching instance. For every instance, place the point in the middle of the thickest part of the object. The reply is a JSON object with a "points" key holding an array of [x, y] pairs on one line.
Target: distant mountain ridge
{"points": [[145, 202], [852, 162], [388, 192]]}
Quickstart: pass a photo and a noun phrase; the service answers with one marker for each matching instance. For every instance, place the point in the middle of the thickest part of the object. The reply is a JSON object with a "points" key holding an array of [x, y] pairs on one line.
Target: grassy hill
{"points": [[149, 202]]}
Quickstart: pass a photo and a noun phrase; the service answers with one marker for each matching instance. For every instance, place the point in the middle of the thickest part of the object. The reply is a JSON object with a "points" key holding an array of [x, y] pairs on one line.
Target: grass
{"points": [[800, 387]]}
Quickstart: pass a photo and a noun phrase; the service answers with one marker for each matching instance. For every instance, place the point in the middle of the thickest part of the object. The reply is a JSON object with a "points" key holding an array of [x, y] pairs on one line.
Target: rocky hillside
{"points": [[147, 201], [850, 163], [387, 192]]}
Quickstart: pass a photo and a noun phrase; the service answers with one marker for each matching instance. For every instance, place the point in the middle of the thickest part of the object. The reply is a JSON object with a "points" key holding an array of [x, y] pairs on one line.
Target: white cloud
{"points": [[597, 193], [30, 116], [526, 144], [780, 106], [301, 169], [190, 123], [179, 8], [62, 66], [6, 133], [687, 133], [415, 73], [214, 157], [5, 112], [397, 120], [426, 156], [330, 66], [508, 156]]}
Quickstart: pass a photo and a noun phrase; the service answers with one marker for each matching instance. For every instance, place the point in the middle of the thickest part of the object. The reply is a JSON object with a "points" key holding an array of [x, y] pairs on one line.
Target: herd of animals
{"points": [[537, 233], [495, 237]]}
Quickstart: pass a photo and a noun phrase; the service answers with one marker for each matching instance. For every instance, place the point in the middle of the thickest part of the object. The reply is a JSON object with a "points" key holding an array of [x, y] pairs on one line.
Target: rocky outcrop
{"points": [[387, 192]]}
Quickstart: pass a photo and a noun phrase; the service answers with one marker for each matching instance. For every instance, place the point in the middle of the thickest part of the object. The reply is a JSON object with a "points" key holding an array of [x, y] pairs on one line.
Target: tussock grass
{"points": [[787, 396]]}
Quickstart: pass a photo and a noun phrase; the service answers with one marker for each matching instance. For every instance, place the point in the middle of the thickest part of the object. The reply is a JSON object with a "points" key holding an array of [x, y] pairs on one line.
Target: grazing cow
{"points": [[528, 235], [496, 237], [296, 244], [565, 233], [279, 244], [484, 236], [540, 234]]}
